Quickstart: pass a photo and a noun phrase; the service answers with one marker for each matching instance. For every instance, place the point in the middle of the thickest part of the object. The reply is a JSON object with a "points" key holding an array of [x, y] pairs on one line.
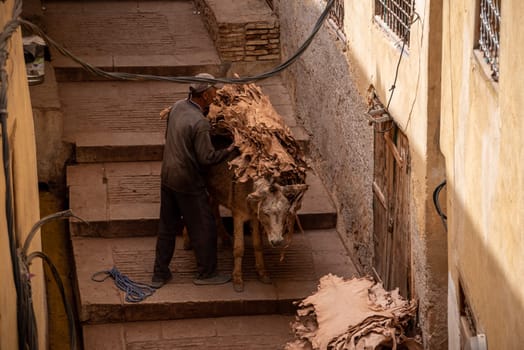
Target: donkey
{"points": [[268, 206]]}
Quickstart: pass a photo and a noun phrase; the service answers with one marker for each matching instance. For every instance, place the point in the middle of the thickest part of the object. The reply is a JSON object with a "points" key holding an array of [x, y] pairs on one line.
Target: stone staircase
{"points": [[114, 184]]}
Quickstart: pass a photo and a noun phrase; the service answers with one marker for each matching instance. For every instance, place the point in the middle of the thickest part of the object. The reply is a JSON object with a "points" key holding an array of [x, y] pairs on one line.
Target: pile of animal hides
{"points": [[354, 314], [267, 148]]}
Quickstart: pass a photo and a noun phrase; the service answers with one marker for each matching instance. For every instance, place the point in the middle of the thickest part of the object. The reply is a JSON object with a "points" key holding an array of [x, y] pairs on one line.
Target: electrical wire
{"points": [[394, 85], [183, 79]]}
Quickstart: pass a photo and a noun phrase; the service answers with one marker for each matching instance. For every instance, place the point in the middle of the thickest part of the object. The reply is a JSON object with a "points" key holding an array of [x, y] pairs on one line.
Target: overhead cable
{"points": [[182, 79]]}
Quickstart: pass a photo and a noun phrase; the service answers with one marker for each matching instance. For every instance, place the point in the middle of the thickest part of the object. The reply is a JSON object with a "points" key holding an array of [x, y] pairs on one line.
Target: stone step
{"points": [[246, 30], [265, 332], [308, 257], [123, 199], [119, 121], [147, 37]]}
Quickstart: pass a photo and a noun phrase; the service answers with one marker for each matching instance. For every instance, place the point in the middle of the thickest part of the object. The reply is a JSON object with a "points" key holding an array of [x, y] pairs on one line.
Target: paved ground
{"points": [[309, 256]]}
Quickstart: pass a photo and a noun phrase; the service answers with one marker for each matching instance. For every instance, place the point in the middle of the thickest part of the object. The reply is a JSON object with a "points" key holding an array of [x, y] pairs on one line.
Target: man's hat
{"points": [[198, 87]]}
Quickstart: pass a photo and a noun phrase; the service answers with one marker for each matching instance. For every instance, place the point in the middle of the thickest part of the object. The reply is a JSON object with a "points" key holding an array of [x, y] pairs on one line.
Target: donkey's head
{"points": [[275, 207]]}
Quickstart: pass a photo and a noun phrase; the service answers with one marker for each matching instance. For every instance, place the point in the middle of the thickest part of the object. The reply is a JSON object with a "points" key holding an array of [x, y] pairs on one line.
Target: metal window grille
{"points": [[489, 40], [396, 14], [337, 13]]}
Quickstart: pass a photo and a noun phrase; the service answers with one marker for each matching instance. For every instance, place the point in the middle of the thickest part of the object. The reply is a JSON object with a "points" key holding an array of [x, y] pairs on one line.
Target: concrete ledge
{"points": [[267, 332], [77, 73], [123, 199]]}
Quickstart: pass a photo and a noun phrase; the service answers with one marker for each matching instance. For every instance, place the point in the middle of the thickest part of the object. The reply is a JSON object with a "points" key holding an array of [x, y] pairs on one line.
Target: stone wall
{"points": [[330, 107]]}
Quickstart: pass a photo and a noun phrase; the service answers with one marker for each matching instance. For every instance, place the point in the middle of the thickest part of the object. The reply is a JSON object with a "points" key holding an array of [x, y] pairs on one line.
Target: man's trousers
{"points": [[192, 210]]}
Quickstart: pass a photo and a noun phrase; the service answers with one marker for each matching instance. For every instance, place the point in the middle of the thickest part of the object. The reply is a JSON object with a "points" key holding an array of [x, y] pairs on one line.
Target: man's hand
{"points": [[165, 112], [231, 148]]}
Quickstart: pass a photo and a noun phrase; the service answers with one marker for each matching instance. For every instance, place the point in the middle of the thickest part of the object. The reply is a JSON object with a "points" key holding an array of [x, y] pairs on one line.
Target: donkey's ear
{"points": [[291, 191], [274, 187]]}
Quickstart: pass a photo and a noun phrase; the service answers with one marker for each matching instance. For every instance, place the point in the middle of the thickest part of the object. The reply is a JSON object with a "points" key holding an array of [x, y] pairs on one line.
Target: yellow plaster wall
{"points": [[482, 139], [415, 106], [377, 53], [25, 189]]}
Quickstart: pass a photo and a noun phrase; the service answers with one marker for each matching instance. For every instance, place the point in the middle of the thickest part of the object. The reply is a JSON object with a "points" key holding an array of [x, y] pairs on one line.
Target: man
{"points": [[183, 198]]}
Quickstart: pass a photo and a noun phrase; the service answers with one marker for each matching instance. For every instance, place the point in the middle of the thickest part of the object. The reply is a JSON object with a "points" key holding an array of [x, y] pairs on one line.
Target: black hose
{"points": [[67, 307], [440, 212]]}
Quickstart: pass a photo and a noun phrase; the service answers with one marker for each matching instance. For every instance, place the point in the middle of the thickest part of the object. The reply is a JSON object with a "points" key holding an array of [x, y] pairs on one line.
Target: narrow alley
{"points": [[403, 120], [113, 183]]}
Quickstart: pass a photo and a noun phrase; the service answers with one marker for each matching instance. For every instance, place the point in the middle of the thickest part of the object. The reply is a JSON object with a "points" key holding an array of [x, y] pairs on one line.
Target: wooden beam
{"points": [[380, 195], [393, 149]]}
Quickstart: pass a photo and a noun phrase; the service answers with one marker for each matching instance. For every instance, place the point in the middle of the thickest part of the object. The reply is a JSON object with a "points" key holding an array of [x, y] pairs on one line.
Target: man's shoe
{"points": [[218, 278], [158, 282]]}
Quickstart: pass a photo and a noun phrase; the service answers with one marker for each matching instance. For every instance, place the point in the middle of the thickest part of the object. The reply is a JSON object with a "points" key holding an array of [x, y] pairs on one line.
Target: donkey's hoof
{"points": [[265, 279], [238, 286]]}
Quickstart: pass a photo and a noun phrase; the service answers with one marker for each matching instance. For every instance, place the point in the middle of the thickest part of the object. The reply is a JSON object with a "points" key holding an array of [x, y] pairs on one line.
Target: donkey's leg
{"points": [[259, 254], [238, 252], [221, 230], [187, 241]]}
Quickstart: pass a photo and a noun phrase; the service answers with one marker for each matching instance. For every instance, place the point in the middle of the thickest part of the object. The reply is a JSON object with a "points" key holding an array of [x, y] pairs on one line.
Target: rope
{"points": [[135, 291]]}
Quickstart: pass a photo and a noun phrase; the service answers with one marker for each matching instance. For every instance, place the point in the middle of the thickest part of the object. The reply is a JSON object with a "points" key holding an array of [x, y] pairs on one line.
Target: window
{"points": [[489, 38], [396, 15]]}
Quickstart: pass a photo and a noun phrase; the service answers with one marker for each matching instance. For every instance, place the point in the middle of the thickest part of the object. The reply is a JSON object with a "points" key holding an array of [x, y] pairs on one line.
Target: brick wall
{"points": [[253, 41]]}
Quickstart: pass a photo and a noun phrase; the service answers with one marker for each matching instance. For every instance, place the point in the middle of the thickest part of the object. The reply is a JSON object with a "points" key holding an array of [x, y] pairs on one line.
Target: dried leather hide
{"points": [[267, 148], [355, 314]]}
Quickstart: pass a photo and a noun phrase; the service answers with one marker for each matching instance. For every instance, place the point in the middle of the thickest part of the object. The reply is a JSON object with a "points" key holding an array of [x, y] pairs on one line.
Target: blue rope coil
{"points": [[135, 291]]}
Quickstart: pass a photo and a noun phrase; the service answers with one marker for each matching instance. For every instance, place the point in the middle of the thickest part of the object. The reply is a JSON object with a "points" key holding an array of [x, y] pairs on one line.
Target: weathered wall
{"points": [[332, 110], [326, 82], [51, 149], [23, 158], [481, 134]]}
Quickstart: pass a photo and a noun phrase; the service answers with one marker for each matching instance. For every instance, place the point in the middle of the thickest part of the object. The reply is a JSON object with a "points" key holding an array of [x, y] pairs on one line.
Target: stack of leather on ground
{"points": [[354, 314]]}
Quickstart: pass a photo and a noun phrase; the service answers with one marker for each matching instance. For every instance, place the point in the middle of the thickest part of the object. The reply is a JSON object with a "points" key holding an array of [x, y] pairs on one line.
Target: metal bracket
{"points": [[372, 116]]}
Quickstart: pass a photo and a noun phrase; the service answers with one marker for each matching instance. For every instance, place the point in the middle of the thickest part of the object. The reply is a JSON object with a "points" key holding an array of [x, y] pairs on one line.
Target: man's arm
{"points": [[204, 149]]}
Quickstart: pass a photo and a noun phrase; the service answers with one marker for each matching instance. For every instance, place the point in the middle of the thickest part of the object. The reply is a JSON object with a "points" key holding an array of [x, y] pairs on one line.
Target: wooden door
{"points": [[391, 236]]}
